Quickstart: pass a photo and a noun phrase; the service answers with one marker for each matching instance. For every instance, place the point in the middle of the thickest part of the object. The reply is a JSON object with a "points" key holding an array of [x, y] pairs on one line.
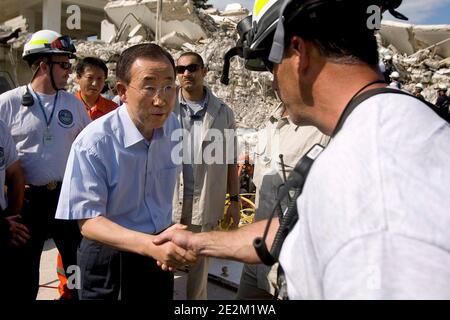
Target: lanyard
{"points": [[351, 105], [41, 106]]}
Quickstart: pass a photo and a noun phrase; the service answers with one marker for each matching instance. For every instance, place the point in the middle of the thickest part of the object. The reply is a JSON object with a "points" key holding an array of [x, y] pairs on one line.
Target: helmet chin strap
{"points": [[52, 79]]}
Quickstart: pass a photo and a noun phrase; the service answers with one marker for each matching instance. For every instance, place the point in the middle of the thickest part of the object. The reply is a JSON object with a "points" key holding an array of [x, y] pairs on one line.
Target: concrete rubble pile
{"points": [[211, 33], [426, 69], [421, 54], [249, 94]]}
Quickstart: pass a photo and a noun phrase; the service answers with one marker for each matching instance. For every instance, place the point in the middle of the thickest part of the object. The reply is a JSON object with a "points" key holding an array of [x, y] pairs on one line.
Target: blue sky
{"points": [[418, 11]]}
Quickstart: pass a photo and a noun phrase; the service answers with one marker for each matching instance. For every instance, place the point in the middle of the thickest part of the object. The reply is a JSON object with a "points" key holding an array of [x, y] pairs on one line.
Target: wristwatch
{"points": [[235, 198]]}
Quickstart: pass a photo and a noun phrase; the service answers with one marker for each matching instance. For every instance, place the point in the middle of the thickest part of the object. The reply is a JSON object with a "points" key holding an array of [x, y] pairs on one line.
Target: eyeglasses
{"points": [[63, 64], [151, 92], [191, 68]]}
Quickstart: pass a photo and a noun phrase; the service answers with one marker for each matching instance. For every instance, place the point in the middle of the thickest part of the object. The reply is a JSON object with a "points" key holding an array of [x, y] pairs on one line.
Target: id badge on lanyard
{"points": [[48, 137]]}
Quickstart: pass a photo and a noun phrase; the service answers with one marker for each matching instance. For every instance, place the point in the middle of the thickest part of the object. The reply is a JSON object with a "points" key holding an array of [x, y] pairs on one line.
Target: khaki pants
{"points": [[197, 280], [257, 282]]}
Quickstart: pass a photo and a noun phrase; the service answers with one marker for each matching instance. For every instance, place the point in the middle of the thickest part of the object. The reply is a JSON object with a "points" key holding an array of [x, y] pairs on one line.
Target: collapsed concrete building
{"points": [[58, 15], [168, 22], [420, 53], [408, 38], [209, 32]]}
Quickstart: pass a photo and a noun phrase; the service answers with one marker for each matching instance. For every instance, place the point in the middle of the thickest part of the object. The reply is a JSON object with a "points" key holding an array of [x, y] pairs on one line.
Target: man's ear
{"points": [[204, 71], [301, 50], [121, 91], [43, 66]]}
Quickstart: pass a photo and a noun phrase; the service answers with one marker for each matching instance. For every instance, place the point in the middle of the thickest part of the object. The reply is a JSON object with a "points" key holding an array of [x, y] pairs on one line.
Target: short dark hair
{"points": [[144, 50], [193, 54], [91, 62], [35, 59], [339, 31], [34, 63]]}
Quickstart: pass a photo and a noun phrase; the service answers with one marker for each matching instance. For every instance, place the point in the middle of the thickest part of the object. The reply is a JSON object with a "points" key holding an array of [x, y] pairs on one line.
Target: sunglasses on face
{"points": [[64, 65], [191, 68]]}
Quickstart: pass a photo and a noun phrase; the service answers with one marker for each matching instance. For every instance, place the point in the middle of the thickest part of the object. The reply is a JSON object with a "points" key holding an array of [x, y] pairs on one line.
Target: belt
{"points": [[51, 186]]}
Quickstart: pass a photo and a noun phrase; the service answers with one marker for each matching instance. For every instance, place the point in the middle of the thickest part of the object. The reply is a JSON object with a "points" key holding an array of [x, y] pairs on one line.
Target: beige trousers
{"points": [[197, 279]]}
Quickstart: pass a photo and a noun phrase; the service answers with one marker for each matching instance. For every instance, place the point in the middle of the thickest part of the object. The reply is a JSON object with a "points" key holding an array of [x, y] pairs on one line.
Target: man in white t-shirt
{"points": [[374, 214], [44, 120]]}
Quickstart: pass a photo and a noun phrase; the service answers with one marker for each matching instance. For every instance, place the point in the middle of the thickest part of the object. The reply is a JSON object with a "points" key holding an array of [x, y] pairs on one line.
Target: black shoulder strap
{"points": [[370, 93]]}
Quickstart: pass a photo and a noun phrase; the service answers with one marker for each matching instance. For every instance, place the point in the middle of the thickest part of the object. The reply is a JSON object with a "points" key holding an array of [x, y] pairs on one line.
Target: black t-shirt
{"points": [[443, 106], [443, 102]]}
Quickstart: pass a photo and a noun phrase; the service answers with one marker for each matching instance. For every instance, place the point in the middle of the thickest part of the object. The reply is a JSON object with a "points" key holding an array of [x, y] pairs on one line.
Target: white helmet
{"points": [[47, 42], [387, 57], [418, 86], [442, 87], [395, 75]]}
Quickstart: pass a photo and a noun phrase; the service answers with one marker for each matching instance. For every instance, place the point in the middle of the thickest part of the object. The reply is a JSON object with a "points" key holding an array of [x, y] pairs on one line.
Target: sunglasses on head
{"points": [[191, 68], [64, 65], [63, 43]]}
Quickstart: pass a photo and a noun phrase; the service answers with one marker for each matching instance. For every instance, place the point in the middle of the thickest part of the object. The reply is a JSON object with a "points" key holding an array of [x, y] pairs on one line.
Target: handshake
{"points": [[176, 248]]}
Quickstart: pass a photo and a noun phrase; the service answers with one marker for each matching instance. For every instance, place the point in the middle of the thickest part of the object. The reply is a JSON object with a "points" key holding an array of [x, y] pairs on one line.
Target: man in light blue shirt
{"points": [[119, 184], [12, 232]]}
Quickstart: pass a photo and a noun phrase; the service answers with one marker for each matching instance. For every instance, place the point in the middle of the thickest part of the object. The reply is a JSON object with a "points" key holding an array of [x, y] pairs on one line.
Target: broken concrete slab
{"points": [[234, 9], [174, 40], [177, 16], [409, 39], [108, 31], [445, 63], [18, 22], [136, 39], [232, 14]]}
